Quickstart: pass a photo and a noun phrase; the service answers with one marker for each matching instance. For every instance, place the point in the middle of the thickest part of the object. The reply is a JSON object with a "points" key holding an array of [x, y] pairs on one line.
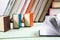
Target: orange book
{"points": [[28, 20], [30, 6]]}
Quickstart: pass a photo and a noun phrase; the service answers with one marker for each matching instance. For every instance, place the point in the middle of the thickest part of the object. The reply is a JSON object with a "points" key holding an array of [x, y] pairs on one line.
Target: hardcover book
{"points": [[28, 20], [4, 23]]}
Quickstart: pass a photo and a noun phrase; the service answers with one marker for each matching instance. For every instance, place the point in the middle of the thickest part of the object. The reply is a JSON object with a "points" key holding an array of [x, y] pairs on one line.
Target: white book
{"points": [[9, 7], [54, 12], [3, 5], [25, 7], [37, 8], [15, 7]]}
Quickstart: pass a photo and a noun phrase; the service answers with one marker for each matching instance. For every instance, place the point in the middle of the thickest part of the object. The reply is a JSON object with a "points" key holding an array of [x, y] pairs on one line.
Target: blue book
{"points": [[17, 22]]}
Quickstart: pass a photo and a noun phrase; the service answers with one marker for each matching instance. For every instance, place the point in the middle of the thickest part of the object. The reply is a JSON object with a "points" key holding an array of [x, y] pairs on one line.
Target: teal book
{"points": [[17, 22]]}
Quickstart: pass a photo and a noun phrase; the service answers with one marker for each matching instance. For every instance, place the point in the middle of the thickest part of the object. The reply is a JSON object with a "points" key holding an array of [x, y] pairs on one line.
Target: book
{"points": [[4, 23], [30, 6], [17, 21], [15, 7], [3, 5], [9, 7], [28, 20], [41, 10], [38, 8], [34, 6], [54, 12], [25, 8], [55, 4], [41, 19], [56, 0]]}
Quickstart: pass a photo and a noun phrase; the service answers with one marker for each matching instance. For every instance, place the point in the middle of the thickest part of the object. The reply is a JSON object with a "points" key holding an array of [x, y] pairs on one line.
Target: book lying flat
{"points": [[54, 12], [9, 7], [17, 21], [41, 19], [41, 10], [56, 0], [3, 5], [28, 20], [4, 23], [56, 5]]}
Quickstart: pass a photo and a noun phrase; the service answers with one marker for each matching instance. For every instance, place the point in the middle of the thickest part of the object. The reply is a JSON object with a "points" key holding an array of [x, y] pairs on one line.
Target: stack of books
{"points": [[55, 10]]}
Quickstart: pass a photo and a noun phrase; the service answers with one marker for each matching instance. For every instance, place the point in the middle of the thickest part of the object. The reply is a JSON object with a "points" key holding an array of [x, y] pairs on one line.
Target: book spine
{"points": [[19, 20]]}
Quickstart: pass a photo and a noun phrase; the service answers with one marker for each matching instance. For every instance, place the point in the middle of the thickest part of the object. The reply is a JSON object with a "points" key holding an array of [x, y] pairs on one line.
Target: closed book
{"points": [[54, 12], [56, 5], [38, 8], [4, 23], [17, 21], [41, 10], [28, 20], [41, 19], [56, 0]]}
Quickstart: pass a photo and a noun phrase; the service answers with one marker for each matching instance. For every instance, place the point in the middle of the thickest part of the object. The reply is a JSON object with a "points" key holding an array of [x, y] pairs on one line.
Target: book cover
{"points": [[4, 23], [28, 20]]}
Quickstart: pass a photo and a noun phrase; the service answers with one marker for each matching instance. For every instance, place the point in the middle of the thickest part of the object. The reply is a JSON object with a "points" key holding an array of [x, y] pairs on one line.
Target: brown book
{"points": [[41, 19], [4, 23], [56, 5]]}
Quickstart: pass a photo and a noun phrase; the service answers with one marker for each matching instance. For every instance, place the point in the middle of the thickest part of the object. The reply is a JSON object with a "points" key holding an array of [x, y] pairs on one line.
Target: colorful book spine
{"points": [[4, 23], [28, 20], [17, 23]]}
